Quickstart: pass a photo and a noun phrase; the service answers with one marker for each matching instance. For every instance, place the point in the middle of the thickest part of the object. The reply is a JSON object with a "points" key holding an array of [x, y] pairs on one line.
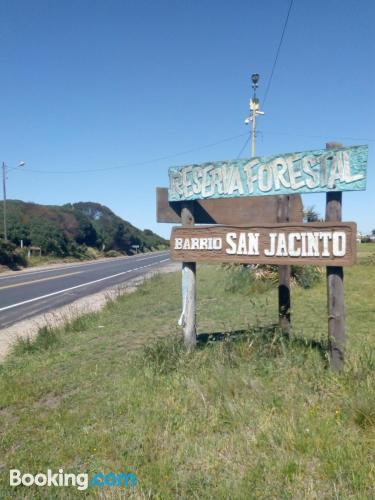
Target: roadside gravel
{"points": [[91, 303]]}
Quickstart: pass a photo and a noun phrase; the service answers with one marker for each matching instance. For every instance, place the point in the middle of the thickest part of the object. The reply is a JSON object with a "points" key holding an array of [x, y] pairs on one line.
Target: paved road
{"points": [[26, 294]]}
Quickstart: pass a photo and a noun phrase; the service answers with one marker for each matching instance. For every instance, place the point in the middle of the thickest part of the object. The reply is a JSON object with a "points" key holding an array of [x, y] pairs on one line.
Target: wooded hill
{"points": [[69, 230]]}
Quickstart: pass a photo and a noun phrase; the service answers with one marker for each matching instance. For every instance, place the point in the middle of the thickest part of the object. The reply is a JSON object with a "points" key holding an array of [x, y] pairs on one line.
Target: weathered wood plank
{"points": [[335, 290], [284, 272], [227, 210], [339, 169], [188, 315], [318, 243]]}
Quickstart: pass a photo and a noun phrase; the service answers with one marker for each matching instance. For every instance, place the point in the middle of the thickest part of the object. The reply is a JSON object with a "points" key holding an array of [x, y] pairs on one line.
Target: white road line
{"points": [[31, 282], [118, 259], [76, 286]]}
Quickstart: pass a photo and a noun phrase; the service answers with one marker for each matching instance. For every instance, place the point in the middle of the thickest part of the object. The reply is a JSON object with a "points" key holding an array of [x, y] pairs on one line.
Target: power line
{"points": [[137, 164], [277, 53], [198, 148], [254, 101], [325, 137], [243, 147]]}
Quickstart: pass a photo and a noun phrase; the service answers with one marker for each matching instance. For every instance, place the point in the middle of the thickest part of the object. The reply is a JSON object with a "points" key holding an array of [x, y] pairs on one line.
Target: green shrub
{"points": [[12, 256], [80, 323], [20, 255], [306, 276], [237, 278], [250, 279], [92, 253], [112, 253], [45, 339], [240, 278]]}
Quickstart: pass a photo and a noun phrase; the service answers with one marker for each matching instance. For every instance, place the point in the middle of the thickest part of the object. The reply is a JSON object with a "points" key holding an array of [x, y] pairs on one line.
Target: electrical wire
{"points": [[277, 54], [326, 137], [243, 147], [272, 70], [136, 164], [167, 157]]}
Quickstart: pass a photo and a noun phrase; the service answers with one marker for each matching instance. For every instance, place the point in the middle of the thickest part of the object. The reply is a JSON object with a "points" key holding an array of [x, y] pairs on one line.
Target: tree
{"points": [[311, 215], [86, 234], [122, 238]]}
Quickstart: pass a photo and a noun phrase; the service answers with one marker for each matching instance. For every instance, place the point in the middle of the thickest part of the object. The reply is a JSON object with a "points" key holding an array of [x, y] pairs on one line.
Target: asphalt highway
{"points": [[28, 293]]}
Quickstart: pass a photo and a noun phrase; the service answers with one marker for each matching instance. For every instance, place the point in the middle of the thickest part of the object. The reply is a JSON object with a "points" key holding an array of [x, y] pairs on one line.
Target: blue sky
{"points": [[95, 84]]}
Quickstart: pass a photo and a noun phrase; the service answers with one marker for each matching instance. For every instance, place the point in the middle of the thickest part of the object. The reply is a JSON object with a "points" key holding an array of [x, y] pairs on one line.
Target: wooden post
{"points": [[335, 287], [284, 272], [188, 316]]}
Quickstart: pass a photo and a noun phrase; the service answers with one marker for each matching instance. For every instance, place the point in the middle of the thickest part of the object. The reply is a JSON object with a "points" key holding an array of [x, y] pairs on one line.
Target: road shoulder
{"points": [[61, 315]]}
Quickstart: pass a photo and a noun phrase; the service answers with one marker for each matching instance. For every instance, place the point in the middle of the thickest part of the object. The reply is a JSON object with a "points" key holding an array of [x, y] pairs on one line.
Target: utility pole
{"points": [[254, 111], [282, 216], [21, 164], [5, 201]]}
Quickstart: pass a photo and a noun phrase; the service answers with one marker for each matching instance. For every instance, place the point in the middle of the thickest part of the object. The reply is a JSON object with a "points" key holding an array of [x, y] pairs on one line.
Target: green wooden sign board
{"points": [[340, 169]]}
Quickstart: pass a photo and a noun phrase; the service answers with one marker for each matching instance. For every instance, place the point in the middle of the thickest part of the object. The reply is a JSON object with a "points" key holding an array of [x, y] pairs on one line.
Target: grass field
{"points": [[251, 415]]}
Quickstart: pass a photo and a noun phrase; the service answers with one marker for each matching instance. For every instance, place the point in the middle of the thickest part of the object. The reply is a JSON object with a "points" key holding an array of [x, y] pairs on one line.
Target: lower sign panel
{"points": [[247, 210], [320, 243]]}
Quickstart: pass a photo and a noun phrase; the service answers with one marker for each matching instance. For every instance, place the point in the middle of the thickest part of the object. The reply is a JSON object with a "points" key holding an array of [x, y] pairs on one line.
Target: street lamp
{"points": [[21, 164], [254, 111], [255, 79]]}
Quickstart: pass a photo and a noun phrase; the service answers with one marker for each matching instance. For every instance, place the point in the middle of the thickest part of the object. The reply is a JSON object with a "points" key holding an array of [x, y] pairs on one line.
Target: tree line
{"points": [[74, 229]]}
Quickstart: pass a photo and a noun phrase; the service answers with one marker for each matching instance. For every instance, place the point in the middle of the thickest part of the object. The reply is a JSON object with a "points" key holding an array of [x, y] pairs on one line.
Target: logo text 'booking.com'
{"points": [[80, 481]]}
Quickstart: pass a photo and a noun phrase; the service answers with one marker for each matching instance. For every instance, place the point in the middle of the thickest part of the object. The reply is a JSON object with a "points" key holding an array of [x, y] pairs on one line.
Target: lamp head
{"points": [[22, 163], [255, 78]]}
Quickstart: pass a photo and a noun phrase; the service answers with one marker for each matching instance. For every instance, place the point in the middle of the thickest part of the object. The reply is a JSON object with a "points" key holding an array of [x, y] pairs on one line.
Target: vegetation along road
{"points": [[29, 293]]}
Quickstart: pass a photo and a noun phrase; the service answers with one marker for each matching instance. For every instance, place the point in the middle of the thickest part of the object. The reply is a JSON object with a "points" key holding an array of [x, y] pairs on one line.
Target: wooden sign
{"points": [[319, 243], [339, 169], [227, 210]]}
